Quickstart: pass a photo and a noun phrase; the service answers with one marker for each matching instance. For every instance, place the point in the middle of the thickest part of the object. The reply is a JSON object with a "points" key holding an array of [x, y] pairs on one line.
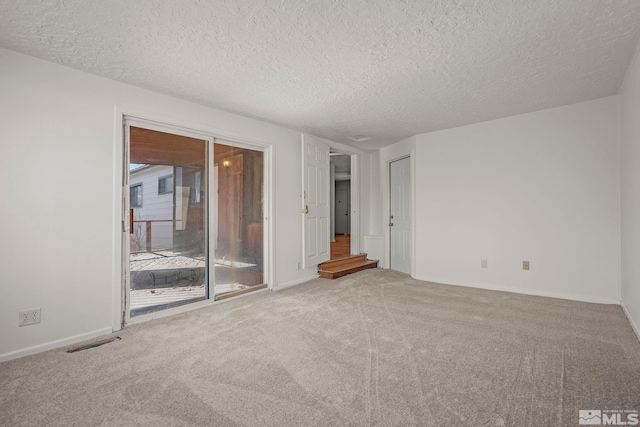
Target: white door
{"points": [[342, 208], [315, 201], [400, 215]]}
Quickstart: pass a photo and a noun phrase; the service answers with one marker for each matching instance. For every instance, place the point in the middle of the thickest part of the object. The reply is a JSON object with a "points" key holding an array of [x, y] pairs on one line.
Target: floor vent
{"points": [[93, 344]]}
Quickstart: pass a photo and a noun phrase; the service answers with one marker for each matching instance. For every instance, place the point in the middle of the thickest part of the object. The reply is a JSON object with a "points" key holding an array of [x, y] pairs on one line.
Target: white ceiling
{"points": [[343, 69]]}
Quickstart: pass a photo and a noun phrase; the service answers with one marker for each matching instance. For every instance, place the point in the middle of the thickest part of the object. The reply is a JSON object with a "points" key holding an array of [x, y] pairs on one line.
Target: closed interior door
{"points": [[343, 219], [400, 215]]}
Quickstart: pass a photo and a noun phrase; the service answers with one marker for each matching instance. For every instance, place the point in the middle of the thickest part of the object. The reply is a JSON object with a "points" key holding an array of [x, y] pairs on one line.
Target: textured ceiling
{"points": [[343, 69]]}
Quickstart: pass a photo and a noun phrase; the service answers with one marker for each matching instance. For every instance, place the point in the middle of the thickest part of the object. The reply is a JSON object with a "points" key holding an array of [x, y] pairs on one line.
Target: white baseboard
{"points": [[285, 285], [54, 344], [88, 335], [525, 291], [635, 327]]}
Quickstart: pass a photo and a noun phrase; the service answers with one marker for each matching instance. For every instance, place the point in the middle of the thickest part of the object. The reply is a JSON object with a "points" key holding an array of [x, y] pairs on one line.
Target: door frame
{"points": [[388, 217], [209, 207], [398, 155], [334, 205], [355, 191], [355, 153], [120, 200], [268, 249]]}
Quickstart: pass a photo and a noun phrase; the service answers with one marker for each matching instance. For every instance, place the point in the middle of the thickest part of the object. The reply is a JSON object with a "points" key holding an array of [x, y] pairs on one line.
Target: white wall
{"points": [[58, 175], [630, 191], [542, 187], [372, 176]]}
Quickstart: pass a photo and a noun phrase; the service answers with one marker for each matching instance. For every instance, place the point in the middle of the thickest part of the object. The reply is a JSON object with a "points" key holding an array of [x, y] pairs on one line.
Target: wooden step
{"points": [[343, 266], [343, 261]]}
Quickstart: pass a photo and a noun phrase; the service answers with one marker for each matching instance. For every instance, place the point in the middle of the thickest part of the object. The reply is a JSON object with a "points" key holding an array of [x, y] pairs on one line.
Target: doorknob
{"points": [[390, 224], [306, 209]]}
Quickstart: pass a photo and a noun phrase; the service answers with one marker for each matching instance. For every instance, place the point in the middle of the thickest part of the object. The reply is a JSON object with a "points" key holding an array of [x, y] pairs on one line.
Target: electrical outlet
{"points": [[525, 265], [483, 263], [29, 317]]}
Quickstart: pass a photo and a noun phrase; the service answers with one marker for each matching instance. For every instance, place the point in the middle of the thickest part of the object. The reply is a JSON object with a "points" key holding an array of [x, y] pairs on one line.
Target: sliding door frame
{"points": [[130, 122], [267, 212], [123, 120]]}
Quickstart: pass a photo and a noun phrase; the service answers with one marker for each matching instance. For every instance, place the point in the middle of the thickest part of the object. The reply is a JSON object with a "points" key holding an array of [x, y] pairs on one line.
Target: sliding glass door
{"points": [[195, 219], [239, 221], [168, 220]]}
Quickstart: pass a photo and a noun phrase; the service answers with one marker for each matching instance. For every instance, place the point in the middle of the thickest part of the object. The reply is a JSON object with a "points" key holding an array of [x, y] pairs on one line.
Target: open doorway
{"points": [[341, 234], [340, 174], [318, 200]]}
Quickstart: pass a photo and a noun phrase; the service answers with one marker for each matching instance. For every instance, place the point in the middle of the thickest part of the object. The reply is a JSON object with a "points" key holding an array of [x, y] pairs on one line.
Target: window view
{"points": [[169, 245], [168, 236], [165, 184], [135, 195]]}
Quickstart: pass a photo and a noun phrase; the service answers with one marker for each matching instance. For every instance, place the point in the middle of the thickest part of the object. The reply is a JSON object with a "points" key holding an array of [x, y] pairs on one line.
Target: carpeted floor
{"points": [[373, 348]]}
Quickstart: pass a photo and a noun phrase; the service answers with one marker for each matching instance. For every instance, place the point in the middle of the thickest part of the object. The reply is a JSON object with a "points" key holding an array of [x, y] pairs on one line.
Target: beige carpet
{"points": [[373, 348]]}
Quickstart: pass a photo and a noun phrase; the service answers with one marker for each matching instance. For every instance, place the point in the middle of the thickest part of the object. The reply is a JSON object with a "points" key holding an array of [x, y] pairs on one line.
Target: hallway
{"points": [[341, 247]]}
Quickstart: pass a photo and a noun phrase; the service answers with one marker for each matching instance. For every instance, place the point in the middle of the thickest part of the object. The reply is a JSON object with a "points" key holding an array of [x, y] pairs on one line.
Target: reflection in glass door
{"points": [[168, 220], [239, 252]]}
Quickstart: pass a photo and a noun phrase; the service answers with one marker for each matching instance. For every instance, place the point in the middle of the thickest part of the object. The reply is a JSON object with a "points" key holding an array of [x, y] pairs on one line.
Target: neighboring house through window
{"points": [[165, 184], [135, 195]]}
